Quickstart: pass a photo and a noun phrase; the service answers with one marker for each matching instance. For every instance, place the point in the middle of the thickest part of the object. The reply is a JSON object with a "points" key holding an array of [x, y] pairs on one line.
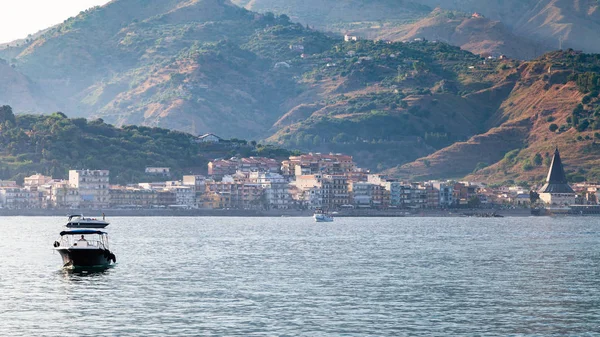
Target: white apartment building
{"points": [[184, 195], [276, 188], [362, 194], [199, 184], [92, 186], [16, 197], [62, 195]]}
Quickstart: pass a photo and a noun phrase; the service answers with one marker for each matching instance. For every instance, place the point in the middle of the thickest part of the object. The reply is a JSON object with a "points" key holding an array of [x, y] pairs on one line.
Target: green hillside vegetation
{"points": [[389, 102], [553, 102], [53, 144], [173, 64]]}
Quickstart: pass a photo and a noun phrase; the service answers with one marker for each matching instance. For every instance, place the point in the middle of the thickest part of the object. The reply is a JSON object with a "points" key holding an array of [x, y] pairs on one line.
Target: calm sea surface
{"points": [[293, 277]]}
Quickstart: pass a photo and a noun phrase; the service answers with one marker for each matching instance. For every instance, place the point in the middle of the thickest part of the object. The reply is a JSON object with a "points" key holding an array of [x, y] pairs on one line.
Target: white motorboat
{"points": [[79, 221], [321, 216], [84, 248]]}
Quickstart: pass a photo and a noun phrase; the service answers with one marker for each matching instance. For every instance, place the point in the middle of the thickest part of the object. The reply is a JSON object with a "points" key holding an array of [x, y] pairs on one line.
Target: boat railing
{"points": [[88, 242]]}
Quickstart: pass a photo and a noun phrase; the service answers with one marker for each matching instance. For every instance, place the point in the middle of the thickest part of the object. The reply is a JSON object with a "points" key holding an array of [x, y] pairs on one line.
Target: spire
{"points": [[556, 182], [556, 174]]}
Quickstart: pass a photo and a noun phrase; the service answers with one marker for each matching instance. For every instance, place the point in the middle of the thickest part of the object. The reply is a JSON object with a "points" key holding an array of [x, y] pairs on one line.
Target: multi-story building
{"points": [[223, 167], [463, 192], [63, 195], [360, 193], [432, 195], [17, 197], [314, 198], [36, 180], [392, 190], [165, 198], [358, 175], [259, 164], [184, 195], [93, 187], [132, 197], [233, 195], [318, 163], [276, 188], [198, 181], [335, 191], [445, 193], [308, 191], [380, 197], [199, 184]]}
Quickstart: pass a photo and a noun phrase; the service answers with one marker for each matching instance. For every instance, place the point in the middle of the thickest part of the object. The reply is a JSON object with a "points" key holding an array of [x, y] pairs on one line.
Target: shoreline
{"points": [[270, 213]]}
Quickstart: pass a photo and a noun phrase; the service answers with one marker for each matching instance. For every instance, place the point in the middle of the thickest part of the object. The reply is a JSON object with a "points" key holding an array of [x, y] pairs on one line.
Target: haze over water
{"points": [[293, 277]]}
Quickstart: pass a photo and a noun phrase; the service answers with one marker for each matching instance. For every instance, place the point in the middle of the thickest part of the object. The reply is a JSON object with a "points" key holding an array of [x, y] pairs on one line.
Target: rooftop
{"points": [[556, 182]]}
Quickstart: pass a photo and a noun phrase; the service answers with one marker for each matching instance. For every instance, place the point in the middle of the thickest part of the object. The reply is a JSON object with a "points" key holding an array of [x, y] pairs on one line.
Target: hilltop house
{"points": [[557, 191], [209, 138], [349, 38]]}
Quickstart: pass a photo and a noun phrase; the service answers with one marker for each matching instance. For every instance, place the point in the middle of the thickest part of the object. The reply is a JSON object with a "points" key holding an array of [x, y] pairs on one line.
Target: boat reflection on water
{"points": [[79, 273]]}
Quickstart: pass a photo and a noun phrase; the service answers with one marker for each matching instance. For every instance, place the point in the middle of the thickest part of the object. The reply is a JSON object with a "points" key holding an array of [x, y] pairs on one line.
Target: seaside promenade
{"points": [[109, 213]]}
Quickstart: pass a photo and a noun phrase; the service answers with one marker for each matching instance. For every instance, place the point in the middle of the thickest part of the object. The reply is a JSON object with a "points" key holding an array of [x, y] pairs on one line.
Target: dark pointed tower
{"points": [[556, 182]]}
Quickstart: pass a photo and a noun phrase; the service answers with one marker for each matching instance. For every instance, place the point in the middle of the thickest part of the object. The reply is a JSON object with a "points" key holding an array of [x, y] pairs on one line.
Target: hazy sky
{"points": [[18, 18]]}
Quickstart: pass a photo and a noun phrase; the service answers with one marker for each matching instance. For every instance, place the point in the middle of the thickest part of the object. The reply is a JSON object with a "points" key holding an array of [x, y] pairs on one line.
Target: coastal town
{"points": [[304, 182]]}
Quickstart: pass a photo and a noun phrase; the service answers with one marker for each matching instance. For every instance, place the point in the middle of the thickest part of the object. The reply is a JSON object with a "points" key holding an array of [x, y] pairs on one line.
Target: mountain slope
{"points": [[555, 23], [338, 14], [391, 102], [19, 91], [547, 107], [177, 64], [478, 35], [574, 22]]}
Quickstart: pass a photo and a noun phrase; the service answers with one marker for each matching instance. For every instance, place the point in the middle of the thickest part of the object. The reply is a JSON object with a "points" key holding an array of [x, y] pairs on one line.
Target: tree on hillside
{"points": [[537, 159], [6, 114]]}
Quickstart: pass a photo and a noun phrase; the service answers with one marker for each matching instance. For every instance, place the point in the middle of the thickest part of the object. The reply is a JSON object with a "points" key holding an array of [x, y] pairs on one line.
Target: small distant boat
{"points": [[321, 216], [84, 248], [79, 221]]}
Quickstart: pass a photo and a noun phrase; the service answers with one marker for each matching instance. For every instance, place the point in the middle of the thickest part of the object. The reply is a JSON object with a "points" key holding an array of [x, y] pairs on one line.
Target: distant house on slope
{"points": [[477, 16], [557, 191], [209, 138], [161, 171], [349, 38], [297, 48]]}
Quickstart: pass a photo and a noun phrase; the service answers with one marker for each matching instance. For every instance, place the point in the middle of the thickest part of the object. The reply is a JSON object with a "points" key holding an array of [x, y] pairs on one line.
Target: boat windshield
{"points": [[83, 239]]}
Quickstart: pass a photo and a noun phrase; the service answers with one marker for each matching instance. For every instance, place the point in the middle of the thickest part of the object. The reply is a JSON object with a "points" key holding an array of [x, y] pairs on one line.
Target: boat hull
{"points": [[87, 224], [322, 218], [73, 257]]}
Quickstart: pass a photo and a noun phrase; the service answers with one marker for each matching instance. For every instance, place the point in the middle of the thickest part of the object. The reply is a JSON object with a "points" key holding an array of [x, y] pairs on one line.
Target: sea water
{"points": [[294, 277]]}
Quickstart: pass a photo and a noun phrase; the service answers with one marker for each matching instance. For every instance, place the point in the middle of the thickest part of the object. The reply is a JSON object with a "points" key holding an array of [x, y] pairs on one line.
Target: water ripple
{"points": [[292, 277]]}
